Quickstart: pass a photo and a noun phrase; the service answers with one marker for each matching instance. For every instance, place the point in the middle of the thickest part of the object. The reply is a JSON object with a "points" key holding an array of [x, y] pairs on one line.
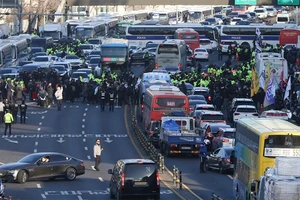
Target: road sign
{"points": [[288, 2], [245, 2]]}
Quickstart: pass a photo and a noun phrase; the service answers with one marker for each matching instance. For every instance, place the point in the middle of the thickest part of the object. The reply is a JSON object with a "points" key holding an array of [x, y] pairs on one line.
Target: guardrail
{"points": [[177, 177], [152, 151], [215, 197]]}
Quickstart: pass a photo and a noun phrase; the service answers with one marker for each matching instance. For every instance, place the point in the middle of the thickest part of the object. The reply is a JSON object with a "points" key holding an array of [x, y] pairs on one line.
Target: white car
{"points": [[275, 114], [225, 44], [207, 44], [272, 12], [261, 13], [201, 53], [74, 61], [235, 20], [86, 48], [244, 111], [75, 76]]}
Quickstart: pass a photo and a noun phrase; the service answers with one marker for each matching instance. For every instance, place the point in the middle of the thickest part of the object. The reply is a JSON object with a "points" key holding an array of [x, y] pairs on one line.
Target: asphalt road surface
{"points": [[72, 131]]}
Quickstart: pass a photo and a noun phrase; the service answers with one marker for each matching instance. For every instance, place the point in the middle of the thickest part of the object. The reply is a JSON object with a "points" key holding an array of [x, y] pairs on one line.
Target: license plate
{"points": [[185, 147], [140, 183]]}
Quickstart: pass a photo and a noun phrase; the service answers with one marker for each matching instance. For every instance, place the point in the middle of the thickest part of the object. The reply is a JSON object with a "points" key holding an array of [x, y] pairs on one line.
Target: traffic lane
{"points": [[115, 148], [203, 184]]}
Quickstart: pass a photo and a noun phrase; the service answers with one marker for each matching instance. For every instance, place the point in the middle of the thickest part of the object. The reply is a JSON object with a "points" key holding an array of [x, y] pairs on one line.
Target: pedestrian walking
{"points": [[203, 155], [59, 97], [23, 109], [97, 154], [8, 120]]}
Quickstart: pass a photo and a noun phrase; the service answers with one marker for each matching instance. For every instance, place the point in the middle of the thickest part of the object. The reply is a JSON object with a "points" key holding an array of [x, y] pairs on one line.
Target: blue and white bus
{"points": [[5, 54], [19, 50], [139, 35], [244, 35]]}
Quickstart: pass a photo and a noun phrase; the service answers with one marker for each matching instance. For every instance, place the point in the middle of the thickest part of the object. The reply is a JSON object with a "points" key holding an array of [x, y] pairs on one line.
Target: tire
{"points": [[221, 169], [111, 195], [22, 176], [70, 174]]}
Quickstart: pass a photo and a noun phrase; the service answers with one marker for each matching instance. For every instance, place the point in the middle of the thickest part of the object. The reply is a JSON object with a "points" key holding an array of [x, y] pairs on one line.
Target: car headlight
{"points": [[13, 172]]}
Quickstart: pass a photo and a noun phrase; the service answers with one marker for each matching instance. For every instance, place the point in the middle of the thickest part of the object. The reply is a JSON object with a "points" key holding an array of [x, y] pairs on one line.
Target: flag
{"points": [[282, 75], [257, 31], [287, 90], [254, 82], [267, 77], [270, 93], [262, 79]]}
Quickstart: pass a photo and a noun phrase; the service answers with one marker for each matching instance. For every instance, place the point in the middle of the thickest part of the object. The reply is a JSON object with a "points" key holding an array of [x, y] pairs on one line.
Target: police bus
{"points": [[90, 30], [171, 55], [141, 35], [244, 34]]}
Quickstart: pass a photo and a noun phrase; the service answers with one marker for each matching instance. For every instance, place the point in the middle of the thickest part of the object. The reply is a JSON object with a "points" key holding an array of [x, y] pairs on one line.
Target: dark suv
{"points": [[134, 177]]}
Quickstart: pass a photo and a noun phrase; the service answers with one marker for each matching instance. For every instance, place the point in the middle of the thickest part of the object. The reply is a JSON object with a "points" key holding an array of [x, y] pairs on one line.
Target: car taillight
{"points": [[123, 180], [209, 98], [202, 121], [179, 65], [224, 121], [151, 132], [143, 106], [82, 164], [156, 65], [206, 54], [173, 145], [255, 114], [236, 113], [225, 140], [157, 180], [228, 160]]}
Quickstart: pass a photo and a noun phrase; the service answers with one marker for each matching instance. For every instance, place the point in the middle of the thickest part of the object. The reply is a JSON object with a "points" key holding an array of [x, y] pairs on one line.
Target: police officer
{"points": [[15, 111], [111, 100], [146, 58], [203, 155], [8, 120], [220, 53], [102, 101], [23, 109]]}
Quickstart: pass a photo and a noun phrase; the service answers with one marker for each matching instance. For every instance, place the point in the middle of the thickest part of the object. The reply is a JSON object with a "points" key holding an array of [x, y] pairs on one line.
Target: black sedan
{"points": [[138, 57], [43, 165], [221, 159]]}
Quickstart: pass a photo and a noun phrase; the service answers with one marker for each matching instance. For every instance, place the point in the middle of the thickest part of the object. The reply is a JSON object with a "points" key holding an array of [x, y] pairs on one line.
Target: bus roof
{"points": [[164, 90], [267, 125], [114, 42], [186, 30]]}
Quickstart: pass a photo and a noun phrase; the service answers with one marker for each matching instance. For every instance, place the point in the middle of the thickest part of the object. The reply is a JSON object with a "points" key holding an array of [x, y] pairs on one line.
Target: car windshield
{"points": [[41, 59], [139, 172], [172, 69], [213, 117], [201, 92], [72, 57], [215, 128], [210, 20], [196, 97], [94, 60], [95, 53], [269, 9], [29, 159], [195, 102], [205, 42], [228, 135], [29, 68], [59, 68], [200, 50], [76, 75], [246, 110], [94, 41], [259, 11], [5, 71], [86, 47], [205, 108]]}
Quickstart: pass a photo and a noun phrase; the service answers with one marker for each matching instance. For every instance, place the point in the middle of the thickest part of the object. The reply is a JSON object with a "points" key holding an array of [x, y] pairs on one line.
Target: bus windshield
{"points": [[84, 32], [168, 49], [188, 36], [170, 102], [114, 52], [282, 145]]}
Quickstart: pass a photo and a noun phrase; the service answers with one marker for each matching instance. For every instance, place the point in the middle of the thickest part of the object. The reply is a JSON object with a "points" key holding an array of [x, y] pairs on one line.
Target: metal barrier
{"points": [[215, 197], [177, 177]]}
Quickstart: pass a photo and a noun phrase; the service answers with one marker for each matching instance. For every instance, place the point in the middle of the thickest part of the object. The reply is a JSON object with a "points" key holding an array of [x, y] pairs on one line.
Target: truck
{"points": [[278, 65], [55, 30], [279, 182], [114, 54], [178, 135], [44, 43]]}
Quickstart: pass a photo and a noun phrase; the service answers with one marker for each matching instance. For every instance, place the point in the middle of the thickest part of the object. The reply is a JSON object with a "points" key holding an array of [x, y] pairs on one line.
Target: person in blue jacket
{"points": [[203, 154]]}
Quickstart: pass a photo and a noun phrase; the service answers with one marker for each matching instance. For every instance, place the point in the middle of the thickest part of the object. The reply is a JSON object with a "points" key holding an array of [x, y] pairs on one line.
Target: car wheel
{"points": [[221, 169], [111, 195], [70, 174], [22, 176]]}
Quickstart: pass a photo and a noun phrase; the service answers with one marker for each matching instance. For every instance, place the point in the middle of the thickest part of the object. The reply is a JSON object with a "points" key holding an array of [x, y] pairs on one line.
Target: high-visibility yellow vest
{"points": [[8, 118]]}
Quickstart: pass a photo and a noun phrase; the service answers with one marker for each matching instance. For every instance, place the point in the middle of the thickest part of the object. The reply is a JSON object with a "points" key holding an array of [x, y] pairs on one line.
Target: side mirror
{"points": [[253, 187], [110, 171], [39, 162]]}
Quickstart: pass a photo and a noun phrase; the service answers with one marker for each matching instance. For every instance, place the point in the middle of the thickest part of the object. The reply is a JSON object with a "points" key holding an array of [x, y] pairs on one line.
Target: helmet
{"points": [[206, 141]]}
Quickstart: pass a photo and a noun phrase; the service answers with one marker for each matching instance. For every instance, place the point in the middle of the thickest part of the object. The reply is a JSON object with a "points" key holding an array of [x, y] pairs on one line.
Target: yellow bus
{"points": [[258, 141]]}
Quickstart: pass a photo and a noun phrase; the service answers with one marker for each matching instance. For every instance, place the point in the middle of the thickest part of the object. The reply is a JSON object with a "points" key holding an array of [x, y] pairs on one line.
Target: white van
{"points": [[261, 13], [283, 18]]}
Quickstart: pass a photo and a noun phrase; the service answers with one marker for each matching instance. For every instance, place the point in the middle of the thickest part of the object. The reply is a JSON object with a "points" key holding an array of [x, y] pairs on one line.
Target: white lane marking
{"points": [[86, 148], [43, 196], [86, 109], [40, 123], [36, 143], [89, 157], [101, 179], [38, 186], [84, 114], [79, 197], [35, 150], [39, 129], [229, 176], [84, 139], [43, 117], [83, 126], [83, 131], [83, 120]]}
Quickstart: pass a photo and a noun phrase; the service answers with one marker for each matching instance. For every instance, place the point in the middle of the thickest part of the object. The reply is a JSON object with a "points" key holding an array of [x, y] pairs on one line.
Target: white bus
{"points": [[139, 35], [245, 35], [90, 30], [5, 54], [171, 55], [198, 14]]}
